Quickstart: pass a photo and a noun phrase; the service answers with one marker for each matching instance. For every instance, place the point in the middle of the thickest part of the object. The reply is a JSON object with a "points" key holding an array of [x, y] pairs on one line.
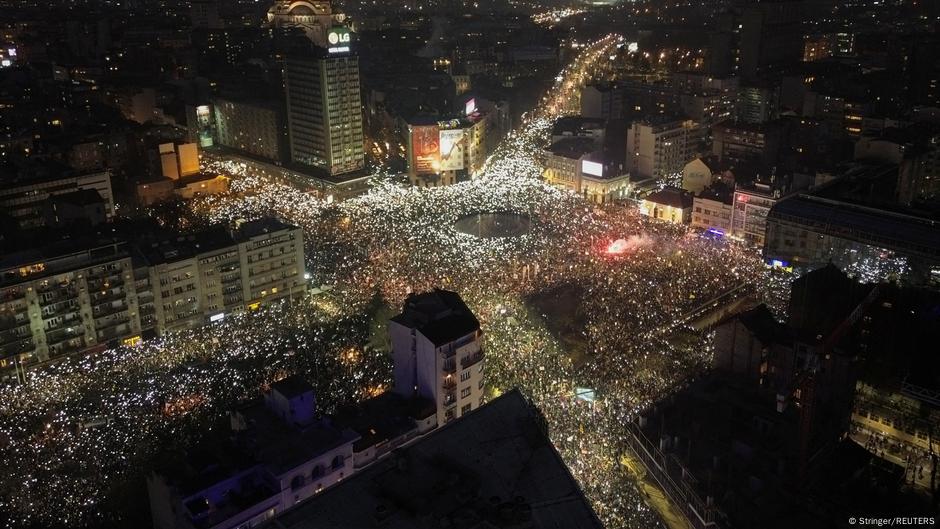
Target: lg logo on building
{"points": [[338, 38]]}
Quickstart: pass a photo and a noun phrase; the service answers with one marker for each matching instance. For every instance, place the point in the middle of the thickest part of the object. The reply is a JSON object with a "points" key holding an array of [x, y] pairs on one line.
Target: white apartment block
{"points": [[660, 147], [436, 346]]}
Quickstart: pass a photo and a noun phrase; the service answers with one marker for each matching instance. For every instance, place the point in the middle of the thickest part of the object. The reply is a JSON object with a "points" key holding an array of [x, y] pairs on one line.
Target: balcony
{"points": [[8, 323], [110, 332], [104, 284], [110, 295], [67, 348], [16, 347], [57, 294], [55, 337], [450, 400], [144, 298], [449, 384], [59, 308], [64, 323], [107, 310], [109, 324], [468, 361], [450, 366]]}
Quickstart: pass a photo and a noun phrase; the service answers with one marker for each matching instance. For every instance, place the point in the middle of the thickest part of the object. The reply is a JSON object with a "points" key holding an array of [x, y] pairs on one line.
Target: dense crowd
{"points": [[621, 290]]}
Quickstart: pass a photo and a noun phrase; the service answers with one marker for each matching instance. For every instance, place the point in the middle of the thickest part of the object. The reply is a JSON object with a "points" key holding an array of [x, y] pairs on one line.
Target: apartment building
{"points": [[79, 295], [436, 347], [24, 199], [712, 209], [662, 146], [87, 295], [282, 454]]}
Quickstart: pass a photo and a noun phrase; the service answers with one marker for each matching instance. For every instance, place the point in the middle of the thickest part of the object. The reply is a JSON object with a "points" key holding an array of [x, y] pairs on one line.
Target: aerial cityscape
{"points": [[622, 264]]}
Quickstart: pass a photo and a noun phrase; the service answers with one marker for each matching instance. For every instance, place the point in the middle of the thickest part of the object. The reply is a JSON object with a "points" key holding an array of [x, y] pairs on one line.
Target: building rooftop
{"points": [[573, 148], [383, 417], [254, 228], [440, 315], [891, 230], [822, 299], [576, 125], [764, 325], [493, 468], [79, 197], [718, 192], [292, 386], [672, 197], [168, 249], [281, 446]]}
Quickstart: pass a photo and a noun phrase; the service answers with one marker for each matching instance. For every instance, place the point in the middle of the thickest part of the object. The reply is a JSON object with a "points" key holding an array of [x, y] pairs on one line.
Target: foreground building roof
{"points": [[493, 468]]}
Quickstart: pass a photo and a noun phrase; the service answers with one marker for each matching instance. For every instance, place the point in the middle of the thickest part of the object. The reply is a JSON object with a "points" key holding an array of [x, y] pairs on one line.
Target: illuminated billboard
{"points": [[453, 147], [339, 40], [470, 107], [425, 149], [592, 168]]}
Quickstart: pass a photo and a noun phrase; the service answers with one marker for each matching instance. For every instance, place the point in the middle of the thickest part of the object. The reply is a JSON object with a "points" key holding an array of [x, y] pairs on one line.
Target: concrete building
{"points": [[283, 454], [564, 161], [204, 14], [83, 205], [697, 175], [915, 149], [179, 160], [807, 231], [662, 146], [757, 104], [739, 141], [501, 451], [712, 209], [324, 108], [69, 297], [770, 36], [24, 199], [436, 347], [602, 101], [252, 127], [579, 127], [762, 437], [751, 207], [671, 205], [79, 295]]}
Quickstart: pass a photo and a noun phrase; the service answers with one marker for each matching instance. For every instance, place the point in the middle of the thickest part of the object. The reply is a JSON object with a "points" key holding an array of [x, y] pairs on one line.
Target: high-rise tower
{"points": [[324, 106]]}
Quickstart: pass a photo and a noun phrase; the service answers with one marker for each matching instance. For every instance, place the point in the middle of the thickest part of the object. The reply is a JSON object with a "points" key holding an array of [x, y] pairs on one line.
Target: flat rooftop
{"points": [[495, 467]]}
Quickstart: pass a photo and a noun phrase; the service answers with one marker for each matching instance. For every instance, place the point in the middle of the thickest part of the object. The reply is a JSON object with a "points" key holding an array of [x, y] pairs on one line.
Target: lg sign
{"points": [[338, 38]]}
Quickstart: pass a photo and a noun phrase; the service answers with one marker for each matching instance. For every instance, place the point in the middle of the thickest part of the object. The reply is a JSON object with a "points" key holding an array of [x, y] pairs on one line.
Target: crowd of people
{"points": [[79, 429]]}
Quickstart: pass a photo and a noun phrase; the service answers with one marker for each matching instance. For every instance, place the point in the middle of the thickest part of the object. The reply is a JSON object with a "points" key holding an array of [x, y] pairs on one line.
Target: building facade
{"points": [[86, 296], [324, 110], [712, 210], [670, 205], [93, 294], [438, 355], [24, 200], [657, 148], [254, 128], [750, 210]]}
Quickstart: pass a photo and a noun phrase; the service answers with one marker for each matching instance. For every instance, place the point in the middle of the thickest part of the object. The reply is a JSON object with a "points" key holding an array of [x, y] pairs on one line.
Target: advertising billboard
{"points": [[339, 40], [470, 107], [426, 149], [453, 148], [592, 168]]}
